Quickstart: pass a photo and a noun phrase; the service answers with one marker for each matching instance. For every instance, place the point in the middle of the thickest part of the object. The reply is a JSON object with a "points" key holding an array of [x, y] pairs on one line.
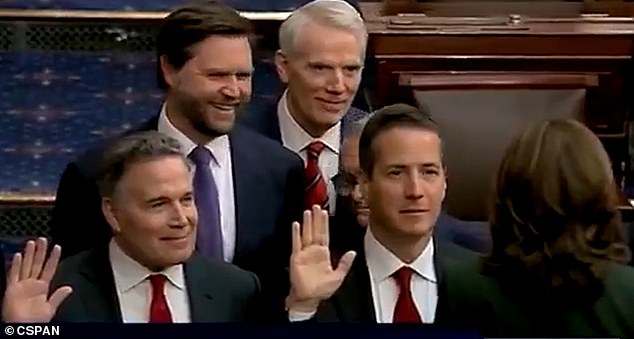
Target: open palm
{"points": [[312, 274], [28, 282]]}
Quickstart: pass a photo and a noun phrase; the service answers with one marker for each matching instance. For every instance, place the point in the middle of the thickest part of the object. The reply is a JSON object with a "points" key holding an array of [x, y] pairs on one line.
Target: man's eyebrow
{"points": [[211, 70], [155, 200]]}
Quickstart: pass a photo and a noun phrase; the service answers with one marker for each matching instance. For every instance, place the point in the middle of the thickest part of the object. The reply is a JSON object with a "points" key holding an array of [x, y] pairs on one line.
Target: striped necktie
{"points": [[316, 190]]}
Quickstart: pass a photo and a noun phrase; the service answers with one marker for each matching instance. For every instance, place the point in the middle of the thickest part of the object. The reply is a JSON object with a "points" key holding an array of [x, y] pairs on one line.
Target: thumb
{"points": [[59, 296], [345, 263]]}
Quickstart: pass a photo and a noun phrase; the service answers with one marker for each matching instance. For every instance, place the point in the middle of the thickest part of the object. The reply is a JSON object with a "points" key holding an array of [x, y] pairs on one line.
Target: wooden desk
{"points": [[415, 56]]}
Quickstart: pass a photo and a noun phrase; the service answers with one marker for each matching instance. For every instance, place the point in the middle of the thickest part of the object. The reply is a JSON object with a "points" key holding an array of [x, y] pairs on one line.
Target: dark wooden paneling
{"points": [[592, 53]]}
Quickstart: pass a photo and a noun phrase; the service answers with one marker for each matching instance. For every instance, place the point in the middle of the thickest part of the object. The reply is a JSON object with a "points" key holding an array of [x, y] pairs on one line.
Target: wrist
{"points": [[299, 305]]}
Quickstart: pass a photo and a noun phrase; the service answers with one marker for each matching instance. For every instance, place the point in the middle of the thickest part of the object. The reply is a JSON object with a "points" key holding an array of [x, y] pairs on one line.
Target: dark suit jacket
{"points": [[267, 123], [268, 186], [472, 235], [267, 180], [353, 301], [629, 230], [500, 307], [218, 292]]}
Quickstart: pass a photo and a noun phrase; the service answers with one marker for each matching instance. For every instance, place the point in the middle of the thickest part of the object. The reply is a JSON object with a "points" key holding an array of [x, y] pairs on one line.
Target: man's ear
{"points": [[169, 72], [281, 65], [109, 212]]}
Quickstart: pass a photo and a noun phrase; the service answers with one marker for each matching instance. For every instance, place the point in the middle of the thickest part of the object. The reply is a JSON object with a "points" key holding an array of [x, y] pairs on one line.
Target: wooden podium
{"points": [[485, 69]]}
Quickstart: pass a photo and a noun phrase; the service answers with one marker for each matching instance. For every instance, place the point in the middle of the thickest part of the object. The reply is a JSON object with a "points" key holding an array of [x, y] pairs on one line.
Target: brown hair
{"points": [[188, 25], [384, 119], [554, 216]]}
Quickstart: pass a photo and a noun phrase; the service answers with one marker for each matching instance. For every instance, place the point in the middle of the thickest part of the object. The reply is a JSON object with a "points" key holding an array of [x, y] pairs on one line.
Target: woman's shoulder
{"points": [[619, 279], [465, 275]]}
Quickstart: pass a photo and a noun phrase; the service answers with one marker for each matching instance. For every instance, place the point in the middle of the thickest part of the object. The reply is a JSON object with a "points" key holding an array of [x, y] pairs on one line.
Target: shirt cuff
{"points": [[297, 316]]}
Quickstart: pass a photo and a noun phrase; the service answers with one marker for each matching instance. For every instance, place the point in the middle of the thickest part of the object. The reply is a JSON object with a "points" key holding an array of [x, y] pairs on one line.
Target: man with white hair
{"points": [[321, 57]]}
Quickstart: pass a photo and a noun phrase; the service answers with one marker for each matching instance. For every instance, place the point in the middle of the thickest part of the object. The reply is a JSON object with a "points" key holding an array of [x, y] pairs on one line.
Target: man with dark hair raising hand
{"points": [[313, 277]]}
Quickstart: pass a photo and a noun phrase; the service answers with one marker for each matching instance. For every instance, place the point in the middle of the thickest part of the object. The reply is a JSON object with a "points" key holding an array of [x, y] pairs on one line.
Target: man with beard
{"points": [[248, 189]]}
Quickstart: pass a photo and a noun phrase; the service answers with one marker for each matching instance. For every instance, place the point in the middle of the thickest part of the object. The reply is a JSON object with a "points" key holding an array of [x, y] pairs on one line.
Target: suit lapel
{"points": [[270, 125], [247, 177], [353, 301], [265, 121], [202, 305], [99, 297], [438, 262], [344, 128]]}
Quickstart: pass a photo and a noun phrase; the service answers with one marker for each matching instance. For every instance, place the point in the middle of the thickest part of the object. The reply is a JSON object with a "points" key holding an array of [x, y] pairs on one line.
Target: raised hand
{"points": [[313, 278], [28, 282]]}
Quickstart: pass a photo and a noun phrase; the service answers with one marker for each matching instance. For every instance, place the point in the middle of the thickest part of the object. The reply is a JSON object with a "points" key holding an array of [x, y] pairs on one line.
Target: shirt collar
{"points": [[219, 147], [296, 138], [382, 263], [128, 273]]}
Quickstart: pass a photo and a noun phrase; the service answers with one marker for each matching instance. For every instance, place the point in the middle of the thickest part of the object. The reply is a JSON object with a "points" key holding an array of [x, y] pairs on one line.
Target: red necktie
{"points": [[405, 310], [159, 310], [316, 191]]}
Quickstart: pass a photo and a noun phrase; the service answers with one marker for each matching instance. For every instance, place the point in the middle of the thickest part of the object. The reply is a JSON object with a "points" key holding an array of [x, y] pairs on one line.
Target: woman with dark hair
{"points": [[557, 263]]}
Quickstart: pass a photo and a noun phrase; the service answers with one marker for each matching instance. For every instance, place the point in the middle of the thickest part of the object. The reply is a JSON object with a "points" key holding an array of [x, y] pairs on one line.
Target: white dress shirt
{"points": [[222, 169], [134, 290], [295, 138], [382, 264]]}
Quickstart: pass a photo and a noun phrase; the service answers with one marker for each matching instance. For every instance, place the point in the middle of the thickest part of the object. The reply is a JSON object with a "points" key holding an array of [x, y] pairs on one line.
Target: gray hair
{"points": [[133, 148], [331, 13], [355, 127]]}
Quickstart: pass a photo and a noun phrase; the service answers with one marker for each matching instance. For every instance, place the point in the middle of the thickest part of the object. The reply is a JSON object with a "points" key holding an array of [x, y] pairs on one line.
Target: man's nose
{"points": [[414, 187], [337, 83], [232, 87], [179, 215]]}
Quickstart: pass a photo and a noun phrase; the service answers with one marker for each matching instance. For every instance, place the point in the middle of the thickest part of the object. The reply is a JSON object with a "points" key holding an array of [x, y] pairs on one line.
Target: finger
{"points": [[345, 263], [59, 296], [51, 264], [297, 237], [27, 260], [325, 238], [41, 246], [14, 270], [307, 229], [317, 225]]}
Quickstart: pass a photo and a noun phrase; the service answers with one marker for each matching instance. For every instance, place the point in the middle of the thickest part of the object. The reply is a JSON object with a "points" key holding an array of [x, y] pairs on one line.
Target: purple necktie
{"points": [[209, 236]]}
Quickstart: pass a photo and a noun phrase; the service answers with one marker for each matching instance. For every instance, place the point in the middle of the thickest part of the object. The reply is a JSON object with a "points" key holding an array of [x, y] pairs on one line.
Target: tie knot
{"points": [[158, 282], [403, 277], [201, 156], [315, 148]]}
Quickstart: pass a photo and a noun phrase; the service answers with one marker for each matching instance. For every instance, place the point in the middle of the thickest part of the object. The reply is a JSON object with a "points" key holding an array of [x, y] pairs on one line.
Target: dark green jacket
{"points": [[498, 308]]}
